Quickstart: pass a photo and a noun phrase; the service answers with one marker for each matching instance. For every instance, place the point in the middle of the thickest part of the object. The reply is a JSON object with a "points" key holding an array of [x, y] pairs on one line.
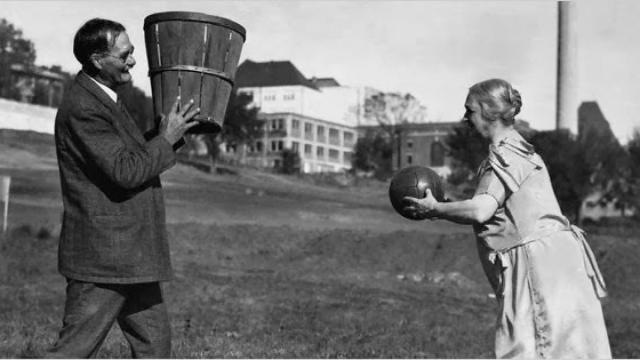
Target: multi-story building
{"points": [[317, 118], [321, 119], [421, 144], [37, 85], [424, 144], [323, 146]]}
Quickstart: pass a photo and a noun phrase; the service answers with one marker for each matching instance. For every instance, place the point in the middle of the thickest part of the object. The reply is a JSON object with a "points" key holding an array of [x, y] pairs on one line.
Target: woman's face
{"points": [[473, 114]]}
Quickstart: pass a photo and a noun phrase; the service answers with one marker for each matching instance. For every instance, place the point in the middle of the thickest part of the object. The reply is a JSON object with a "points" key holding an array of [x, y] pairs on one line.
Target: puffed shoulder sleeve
{"points": [[489, 183], [513, 161]]}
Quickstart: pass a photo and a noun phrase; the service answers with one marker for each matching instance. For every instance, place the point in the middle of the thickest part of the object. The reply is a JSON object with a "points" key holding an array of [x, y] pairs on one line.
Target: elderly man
{"points": [[113, 247]]}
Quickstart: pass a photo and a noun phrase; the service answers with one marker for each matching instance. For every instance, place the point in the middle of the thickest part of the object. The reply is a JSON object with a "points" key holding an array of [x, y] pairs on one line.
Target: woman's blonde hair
{"points": [[497, 99]]}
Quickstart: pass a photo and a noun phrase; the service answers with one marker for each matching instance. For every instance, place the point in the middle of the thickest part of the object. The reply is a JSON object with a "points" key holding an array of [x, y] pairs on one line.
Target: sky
{"points": [[434, 50]]}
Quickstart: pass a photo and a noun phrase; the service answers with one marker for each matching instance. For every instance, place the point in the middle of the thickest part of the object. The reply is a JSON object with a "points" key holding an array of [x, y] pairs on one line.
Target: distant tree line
{"points": [[373, 152], [14, 49], [578, 165]]}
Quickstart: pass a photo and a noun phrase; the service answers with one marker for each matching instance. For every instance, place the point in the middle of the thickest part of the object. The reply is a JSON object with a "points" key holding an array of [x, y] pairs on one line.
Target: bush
{"points": [[290, 162]]}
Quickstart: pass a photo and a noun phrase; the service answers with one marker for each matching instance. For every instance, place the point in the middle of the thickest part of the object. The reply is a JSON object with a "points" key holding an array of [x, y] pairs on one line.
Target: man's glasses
{"points": [[124, 57]]}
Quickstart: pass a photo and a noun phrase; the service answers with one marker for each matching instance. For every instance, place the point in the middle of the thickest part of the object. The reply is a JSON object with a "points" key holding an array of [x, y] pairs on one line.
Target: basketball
{"points": [[414, 181]]}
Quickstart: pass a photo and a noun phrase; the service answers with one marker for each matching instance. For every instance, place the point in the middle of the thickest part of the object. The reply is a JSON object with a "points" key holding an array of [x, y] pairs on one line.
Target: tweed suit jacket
{"points": [[113, 226]]}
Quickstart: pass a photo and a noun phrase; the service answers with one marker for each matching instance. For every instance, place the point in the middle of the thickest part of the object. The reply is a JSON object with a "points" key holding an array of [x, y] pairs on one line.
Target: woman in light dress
{"points": [[541, 268]]}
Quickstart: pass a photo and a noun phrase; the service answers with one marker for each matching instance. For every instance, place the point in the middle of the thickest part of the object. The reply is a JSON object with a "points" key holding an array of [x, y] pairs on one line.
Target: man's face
{"points": [[115, 65]]}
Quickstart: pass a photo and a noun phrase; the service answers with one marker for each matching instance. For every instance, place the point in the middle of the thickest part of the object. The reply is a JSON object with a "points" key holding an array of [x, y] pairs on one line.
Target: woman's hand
{"points": [[424, 208]]}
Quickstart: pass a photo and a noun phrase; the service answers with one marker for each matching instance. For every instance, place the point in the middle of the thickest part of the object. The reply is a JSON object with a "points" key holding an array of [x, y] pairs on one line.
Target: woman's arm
{"points": [[478, 209]]}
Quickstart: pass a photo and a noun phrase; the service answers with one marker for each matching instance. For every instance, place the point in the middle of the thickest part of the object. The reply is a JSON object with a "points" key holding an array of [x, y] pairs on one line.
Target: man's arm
{"points": [[126, 166]]}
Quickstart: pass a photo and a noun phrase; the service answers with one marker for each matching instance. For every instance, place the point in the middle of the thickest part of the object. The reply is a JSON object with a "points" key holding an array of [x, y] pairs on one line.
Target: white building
{"points": [[315, 117]]}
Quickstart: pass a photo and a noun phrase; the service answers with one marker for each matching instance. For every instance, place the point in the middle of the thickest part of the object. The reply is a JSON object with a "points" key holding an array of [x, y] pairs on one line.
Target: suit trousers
{"points": [[92, 308]]}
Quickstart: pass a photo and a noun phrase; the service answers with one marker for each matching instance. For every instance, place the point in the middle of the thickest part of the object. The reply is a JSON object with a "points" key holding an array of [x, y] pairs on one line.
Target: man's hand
{"points": [[176, 123]]}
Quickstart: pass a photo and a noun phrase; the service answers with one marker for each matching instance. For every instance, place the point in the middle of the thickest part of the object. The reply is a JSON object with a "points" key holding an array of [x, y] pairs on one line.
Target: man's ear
{"points": [[96, 60]]}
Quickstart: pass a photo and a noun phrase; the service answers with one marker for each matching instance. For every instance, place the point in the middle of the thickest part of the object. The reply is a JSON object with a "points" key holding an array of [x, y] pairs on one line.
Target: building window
{"points": [[295, 127], [346, 157], [320, 152], [289, 96], [409, 144], [334, 154], [307, 149], [270, 97], [348, 139], [320, 133], [295, 146], [277, 145], [334, 136], [259, 146], [409, 159], [277, 124], [308, 131], [437, 154]]}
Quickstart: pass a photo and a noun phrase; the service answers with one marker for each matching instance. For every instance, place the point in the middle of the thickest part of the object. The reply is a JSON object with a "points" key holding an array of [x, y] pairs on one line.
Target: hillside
{"points": [[236, 195]]}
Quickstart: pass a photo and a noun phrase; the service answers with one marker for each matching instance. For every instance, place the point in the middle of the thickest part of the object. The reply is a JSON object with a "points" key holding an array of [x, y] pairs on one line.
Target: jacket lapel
{"points": [[120, 113]]}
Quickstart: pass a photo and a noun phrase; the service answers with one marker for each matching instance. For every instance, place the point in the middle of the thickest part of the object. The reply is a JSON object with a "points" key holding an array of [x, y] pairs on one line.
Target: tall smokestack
{"points": [[567, 89]]}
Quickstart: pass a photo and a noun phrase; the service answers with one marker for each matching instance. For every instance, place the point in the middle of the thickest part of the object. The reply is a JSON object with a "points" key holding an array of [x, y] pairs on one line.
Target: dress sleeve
{"points": [[513, 164], [489, 183]]}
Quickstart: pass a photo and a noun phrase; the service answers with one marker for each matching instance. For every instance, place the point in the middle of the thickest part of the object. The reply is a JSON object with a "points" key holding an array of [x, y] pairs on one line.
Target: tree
{"points": [[241, 125], [625, 186], [467, 148], [566, 162], [14, 49], [373, 153], [633, 148], [607, 161], [390, 110], [290, 162]]}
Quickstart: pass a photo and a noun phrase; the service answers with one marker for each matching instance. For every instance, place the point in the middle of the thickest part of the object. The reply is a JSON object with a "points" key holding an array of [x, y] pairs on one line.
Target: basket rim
{"points": [[196, 17]]}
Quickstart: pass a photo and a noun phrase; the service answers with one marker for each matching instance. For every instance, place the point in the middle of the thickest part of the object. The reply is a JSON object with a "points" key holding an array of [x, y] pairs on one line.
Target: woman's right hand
{"points": [[424, 208]]}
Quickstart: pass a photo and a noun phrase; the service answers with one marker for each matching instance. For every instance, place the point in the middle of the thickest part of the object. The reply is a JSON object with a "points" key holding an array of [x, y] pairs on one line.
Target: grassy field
{"points": [[268, 266]]}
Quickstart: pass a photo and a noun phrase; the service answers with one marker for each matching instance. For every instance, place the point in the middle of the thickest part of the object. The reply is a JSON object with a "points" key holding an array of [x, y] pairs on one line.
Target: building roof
{"points": [[591, 121], [324, 82], [270, 73], [428, 126], [423, 126], [36, 72]]}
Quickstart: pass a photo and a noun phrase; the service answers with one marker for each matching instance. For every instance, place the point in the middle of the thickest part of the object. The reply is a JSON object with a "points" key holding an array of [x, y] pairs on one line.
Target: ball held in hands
{"points": [[413, 181]]}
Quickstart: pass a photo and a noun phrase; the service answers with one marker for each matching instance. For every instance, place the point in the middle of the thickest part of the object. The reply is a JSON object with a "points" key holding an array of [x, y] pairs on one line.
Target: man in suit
{"points": [[113, 247]]}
